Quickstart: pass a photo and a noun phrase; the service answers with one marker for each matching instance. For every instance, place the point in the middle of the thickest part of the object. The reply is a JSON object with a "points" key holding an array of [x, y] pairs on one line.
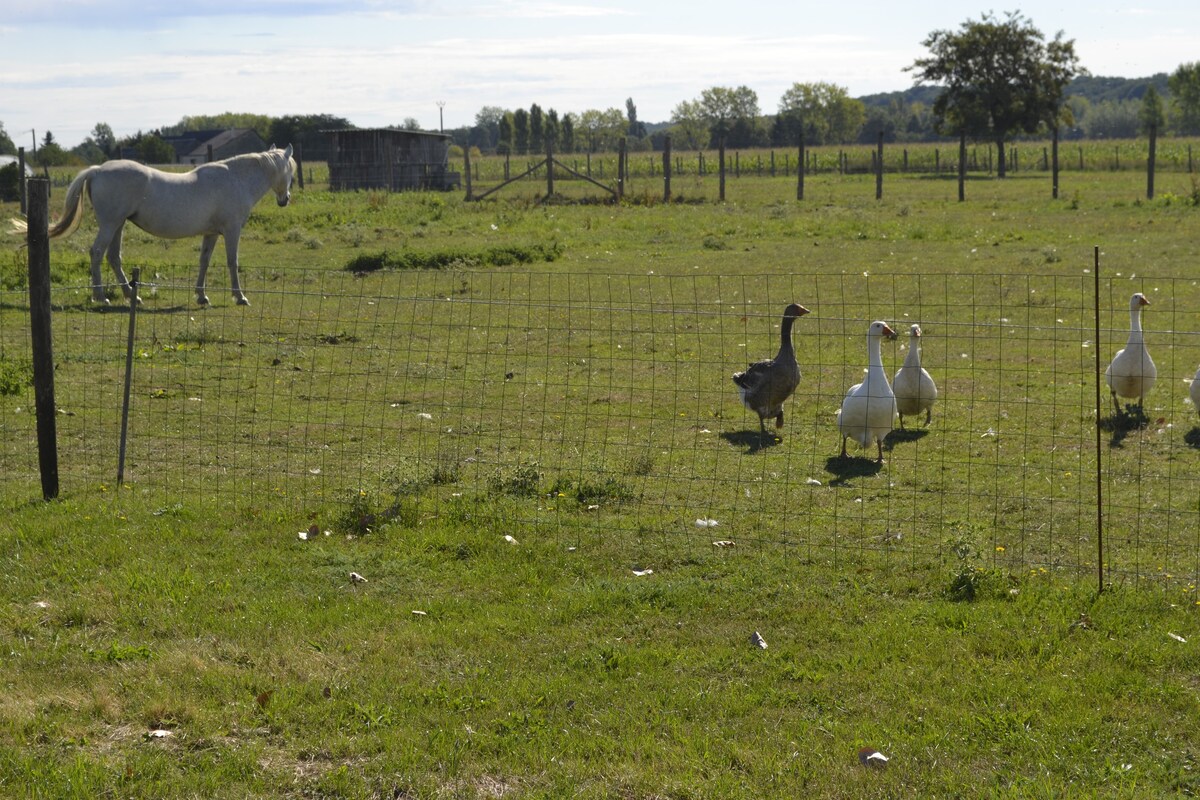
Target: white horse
{"points": [[212, 200]]}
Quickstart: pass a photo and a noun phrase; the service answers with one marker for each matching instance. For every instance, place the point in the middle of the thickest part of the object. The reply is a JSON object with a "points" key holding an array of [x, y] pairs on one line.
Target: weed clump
{"points": [[451, 258]]}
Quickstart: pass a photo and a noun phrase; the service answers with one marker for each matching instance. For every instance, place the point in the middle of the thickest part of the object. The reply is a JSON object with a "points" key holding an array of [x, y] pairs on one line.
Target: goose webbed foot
{"points": [[928, 416]]}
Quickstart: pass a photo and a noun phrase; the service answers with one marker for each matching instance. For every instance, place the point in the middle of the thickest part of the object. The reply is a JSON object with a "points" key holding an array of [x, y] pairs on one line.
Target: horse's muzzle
{"points": [[283, 201]]}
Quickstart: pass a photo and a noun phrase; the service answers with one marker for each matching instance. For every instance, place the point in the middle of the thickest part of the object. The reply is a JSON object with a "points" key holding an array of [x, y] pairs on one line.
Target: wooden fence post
{"points": [[467, 170], [549, 169], [38, 239], [621, 166], [801, 164], [298, 154], [1054, 160], [962, 167], [1150, 162], [666, 161], [879, 169], [721, 157], [21, 187]]}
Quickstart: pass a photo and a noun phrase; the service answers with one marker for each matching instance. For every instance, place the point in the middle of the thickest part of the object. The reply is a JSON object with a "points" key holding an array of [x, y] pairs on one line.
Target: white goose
{"points": [[1195, 390], [1131, 373], [914, 387], [869, 408]]}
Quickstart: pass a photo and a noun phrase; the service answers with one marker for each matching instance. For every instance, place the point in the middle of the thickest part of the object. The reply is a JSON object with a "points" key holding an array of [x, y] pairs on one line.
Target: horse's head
{"points": [[286, 170]]}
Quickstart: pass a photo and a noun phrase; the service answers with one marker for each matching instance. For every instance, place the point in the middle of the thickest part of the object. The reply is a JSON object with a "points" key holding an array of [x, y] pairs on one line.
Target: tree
{"points": [[1184, 85], [552, 130], [103, 138], [688, 125], [603, 127], [1152, 113], [487, 126], [50, 154], [537, 129], [1000, 77], [6, 144], [731, 114], [307, 132], [504, 133], [827, 112], [520, 119], [566, 137], [151, 149], [635, 128]]}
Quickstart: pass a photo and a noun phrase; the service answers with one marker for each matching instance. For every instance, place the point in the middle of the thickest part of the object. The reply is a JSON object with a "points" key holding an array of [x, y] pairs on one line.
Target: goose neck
{"points": [[874, 354]]}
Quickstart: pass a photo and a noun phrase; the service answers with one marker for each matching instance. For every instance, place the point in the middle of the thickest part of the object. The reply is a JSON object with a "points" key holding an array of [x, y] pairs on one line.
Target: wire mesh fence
{"points": [[586, 406]]}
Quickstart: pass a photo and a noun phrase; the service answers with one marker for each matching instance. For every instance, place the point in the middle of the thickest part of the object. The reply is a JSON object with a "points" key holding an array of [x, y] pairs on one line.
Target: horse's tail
{"points": [[72, 210], [72, 206]]}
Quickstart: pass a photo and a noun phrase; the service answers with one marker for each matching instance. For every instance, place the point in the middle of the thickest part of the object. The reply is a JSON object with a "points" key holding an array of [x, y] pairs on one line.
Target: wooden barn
{"points": [[385, 158]]}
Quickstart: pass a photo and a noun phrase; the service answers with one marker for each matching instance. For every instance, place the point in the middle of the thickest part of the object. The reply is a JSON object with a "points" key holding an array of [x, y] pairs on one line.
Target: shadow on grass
{"points": [[1192, 437], [1121, 424], [845, 468], [753, 441], [901, 435]]}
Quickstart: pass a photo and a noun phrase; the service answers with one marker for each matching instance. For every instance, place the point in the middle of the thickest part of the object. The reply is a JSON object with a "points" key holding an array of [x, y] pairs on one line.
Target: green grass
{"points": [[942, 609]]}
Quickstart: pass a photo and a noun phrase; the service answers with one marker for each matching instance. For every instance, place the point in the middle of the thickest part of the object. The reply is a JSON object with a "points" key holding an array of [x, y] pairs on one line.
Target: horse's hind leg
{"points": [[108, 239], [207, 245], [114, 260]]}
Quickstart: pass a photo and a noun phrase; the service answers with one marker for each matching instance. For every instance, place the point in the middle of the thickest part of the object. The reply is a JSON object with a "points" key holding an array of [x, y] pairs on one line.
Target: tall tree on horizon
{"points": [[1184, 84], [1000, 76]]}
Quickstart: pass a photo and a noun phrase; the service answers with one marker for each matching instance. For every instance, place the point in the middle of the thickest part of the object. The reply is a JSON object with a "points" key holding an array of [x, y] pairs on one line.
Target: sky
{"points": [[138, 65]]}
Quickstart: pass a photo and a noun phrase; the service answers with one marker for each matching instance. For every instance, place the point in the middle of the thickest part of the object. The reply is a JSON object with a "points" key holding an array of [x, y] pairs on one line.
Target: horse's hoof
{"points": [[242, 301], [202, 300]]}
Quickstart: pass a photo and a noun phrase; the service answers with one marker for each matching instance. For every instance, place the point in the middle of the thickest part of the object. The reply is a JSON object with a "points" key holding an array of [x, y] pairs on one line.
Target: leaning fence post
{"points": [[38, 239], [133, 304]]}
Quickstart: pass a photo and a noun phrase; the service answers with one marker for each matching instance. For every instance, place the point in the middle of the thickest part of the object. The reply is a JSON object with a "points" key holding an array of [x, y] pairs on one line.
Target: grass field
{"points": [[175, 637]]}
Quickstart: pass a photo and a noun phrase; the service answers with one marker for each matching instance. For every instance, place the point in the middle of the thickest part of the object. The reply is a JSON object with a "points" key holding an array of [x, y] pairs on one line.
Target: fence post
{"points": [[962, 167], [38, 240], [721, 158], [666, 169], [21, 187], [133, 293], [1099, 433], [801, 164], [467, 170], [549, 169], [879, 168], [621, 169], [1054, 159], [1150, 162], [298, 154]]}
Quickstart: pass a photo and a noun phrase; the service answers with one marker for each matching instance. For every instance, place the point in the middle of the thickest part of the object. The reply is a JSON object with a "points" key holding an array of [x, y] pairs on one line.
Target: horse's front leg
{"points": [[231, 258], [207, 245]]}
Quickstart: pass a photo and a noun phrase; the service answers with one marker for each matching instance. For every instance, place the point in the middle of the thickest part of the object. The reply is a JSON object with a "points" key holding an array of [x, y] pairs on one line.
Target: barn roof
{"points": [[6, 160]]}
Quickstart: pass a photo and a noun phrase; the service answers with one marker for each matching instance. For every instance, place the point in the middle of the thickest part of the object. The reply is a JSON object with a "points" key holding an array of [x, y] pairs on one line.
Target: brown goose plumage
{"points": [[765, 385]]}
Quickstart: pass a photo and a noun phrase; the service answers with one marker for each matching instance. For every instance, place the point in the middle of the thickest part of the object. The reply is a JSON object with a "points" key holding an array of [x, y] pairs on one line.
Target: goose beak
{"points": [[803, 310], [889, 333], [1142, 301]]}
